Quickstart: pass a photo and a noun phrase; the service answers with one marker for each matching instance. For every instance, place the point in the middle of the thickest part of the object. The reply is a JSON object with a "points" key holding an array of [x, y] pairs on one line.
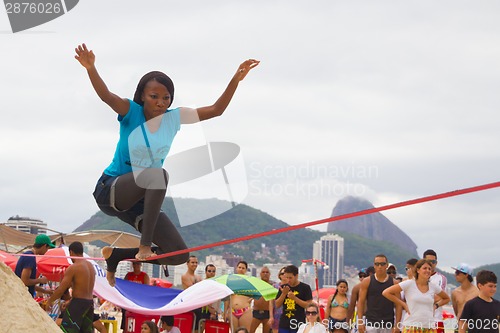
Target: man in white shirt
{"points": [[441, 281]]}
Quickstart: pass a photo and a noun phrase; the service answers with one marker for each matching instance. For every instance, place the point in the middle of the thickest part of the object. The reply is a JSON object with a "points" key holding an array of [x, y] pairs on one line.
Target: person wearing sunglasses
{"points": [[210, 271], [312, 324], [380, 312], [275, 312], [466, 291], [391, 270], [440, 280], [410, 268], [209, 311]]}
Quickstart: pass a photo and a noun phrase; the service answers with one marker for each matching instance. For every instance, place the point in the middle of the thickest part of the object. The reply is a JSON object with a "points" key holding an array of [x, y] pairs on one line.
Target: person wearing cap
{"points": [[26, 265], [392, 271], [466, 291]]}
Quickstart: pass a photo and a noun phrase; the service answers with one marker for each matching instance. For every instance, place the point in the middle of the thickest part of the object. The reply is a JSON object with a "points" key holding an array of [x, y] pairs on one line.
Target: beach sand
{"points": [[19, 312]]}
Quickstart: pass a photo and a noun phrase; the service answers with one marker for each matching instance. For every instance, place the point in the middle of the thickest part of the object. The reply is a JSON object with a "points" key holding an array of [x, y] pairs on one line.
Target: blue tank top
{"points": [[138, 147]]}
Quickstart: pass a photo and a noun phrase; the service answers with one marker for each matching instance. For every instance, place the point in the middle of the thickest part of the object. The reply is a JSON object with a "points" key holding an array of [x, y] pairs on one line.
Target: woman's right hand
{"points": [[85, 57]]}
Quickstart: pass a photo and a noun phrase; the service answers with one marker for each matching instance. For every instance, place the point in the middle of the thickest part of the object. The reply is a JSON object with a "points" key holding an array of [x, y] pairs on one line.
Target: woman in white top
{"points": [[312, 324], [419, 295]]}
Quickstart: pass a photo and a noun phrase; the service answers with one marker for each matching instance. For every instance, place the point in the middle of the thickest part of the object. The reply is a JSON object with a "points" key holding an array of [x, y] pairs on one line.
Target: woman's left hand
{"points": [[245, 67]]}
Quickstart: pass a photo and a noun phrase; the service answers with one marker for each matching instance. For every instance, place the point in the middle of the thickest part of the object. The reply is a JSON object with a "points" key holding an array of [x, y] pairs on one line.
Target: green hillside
{"points": [[244, 220]]}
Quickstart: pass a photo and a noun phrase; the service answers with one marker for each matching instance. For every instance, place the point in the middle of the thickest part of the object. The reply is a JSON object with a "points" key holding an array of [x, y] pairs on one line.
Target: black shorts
{"points": [[261, 314], [102, 196], [78, 316]]}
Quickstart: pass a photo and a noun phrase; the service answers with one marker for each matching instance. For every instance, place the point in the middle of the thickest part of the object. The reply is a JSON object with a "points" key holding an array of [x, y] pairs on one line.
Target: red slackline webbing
{"points": [[317, 222]]}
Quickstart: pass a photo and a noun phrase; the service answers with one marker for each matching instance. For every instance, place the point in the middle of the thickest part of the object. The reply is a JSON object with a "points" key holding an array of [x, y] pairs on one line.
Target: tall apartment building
{"points": [[330, 250]]}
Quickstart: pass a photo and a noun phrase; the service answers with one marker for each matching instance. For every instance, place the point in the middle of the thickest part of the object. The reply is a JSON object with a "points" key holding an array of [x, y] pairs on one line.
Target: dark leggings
{"points": [[140, 206]]}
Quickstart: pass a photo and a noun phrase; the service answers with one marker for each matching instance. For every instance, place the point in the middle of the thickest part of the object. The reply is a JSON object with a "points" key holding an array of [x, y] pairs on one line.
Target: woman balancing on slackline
{"points": [[134, 185]]}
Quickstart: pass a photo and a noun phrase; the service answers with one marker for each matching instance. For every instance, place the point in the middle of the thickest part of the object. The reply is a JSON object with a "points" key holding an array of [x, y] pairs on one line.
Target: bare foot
{"points": [[107, 251], [110, 276], [145, 253]]}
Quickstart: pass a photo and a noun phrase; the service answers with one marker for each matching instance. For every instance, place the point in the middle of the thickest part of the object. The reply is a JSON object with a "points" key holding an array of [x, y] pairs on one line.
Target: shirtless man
{"points": [[466, 291], [261, 306], [351, 310], [80, 276], [239, 312], [189, 278]]}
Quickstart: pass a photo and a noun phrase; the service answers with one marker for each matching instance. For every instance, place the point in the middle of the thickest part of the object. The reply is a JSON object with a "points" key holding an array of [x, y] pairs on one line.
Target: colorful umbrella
{"points": [[54, 268], [323, 293], [448, 315], [248, 286], [160, 283], [8, 259]]}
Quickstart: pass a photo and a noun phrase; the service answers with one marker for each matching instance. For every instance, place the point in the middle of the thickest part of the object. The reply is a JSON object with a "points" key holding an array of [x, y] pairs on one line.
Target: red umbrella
{"points": [[324, 293], [8, 259], [53, 268], [160, 283], [448, 315]]}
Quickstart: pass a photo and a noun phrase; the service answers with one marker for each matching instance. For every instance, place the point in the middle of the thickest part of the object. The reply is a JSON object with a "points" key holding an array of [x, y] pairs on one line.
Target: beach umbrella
{"points": [[248, 286], [54, 268], [448, 315], [8, 259], [323, 293]]}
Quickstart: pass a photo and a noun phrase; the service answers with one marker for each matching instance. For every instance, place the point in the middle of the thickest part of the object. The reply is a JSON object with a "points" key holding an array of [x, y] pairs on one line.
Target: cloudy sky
{"points": [[387, 100]]}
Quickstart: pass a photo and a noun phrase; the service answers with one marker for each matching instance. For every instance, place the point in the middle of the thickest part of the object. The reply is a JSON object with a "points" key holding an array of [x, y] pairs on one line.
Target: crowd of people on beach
{"points": [[379, 303], [382, 301]]}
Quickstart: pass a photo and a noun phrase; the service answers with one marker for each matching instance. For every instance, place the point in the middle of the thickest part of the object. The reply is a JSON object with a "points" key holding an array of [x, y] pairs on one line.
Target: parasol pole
{"points": [[315, 262], [316, 280]]}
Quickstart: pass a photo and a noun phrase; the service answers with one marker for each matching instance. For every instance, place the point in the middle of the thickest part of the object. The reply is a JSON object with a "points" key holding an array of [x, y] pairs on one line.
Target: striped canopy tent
{"points": [[12, 238]]}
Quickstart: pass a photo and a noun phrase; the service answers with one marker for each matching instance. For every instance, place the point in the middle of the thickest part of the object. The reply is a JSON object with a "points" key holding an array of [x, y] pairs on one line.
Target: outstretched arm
{"points": [[87, 60], [188, 116], [65, 284]]}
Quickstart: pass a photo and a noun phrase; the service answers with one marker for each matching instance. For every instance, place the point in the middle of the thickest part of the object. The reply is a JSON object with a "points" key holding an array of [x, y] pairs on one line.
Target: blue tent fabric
{"points": [[146, 296]]}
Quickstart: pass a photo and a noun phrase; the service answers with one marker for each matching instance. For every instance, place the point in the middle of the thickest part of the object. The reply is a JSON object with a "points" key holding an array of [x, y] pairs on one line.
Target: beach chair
{"points": [[214, 326], [185, 322]]}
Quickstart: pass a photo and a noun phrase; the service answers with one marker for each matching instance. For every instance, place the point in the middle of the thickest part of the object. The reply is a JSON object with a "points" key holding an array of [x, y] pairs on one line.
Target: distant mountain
{"points": [[293, 246], [373, 226]]}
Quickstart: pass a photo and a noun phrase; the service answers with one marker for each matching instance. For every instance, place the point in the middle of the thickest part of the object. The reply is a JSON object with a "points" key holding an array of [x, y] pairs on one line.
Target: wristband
{"points": [[436, 305]]}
